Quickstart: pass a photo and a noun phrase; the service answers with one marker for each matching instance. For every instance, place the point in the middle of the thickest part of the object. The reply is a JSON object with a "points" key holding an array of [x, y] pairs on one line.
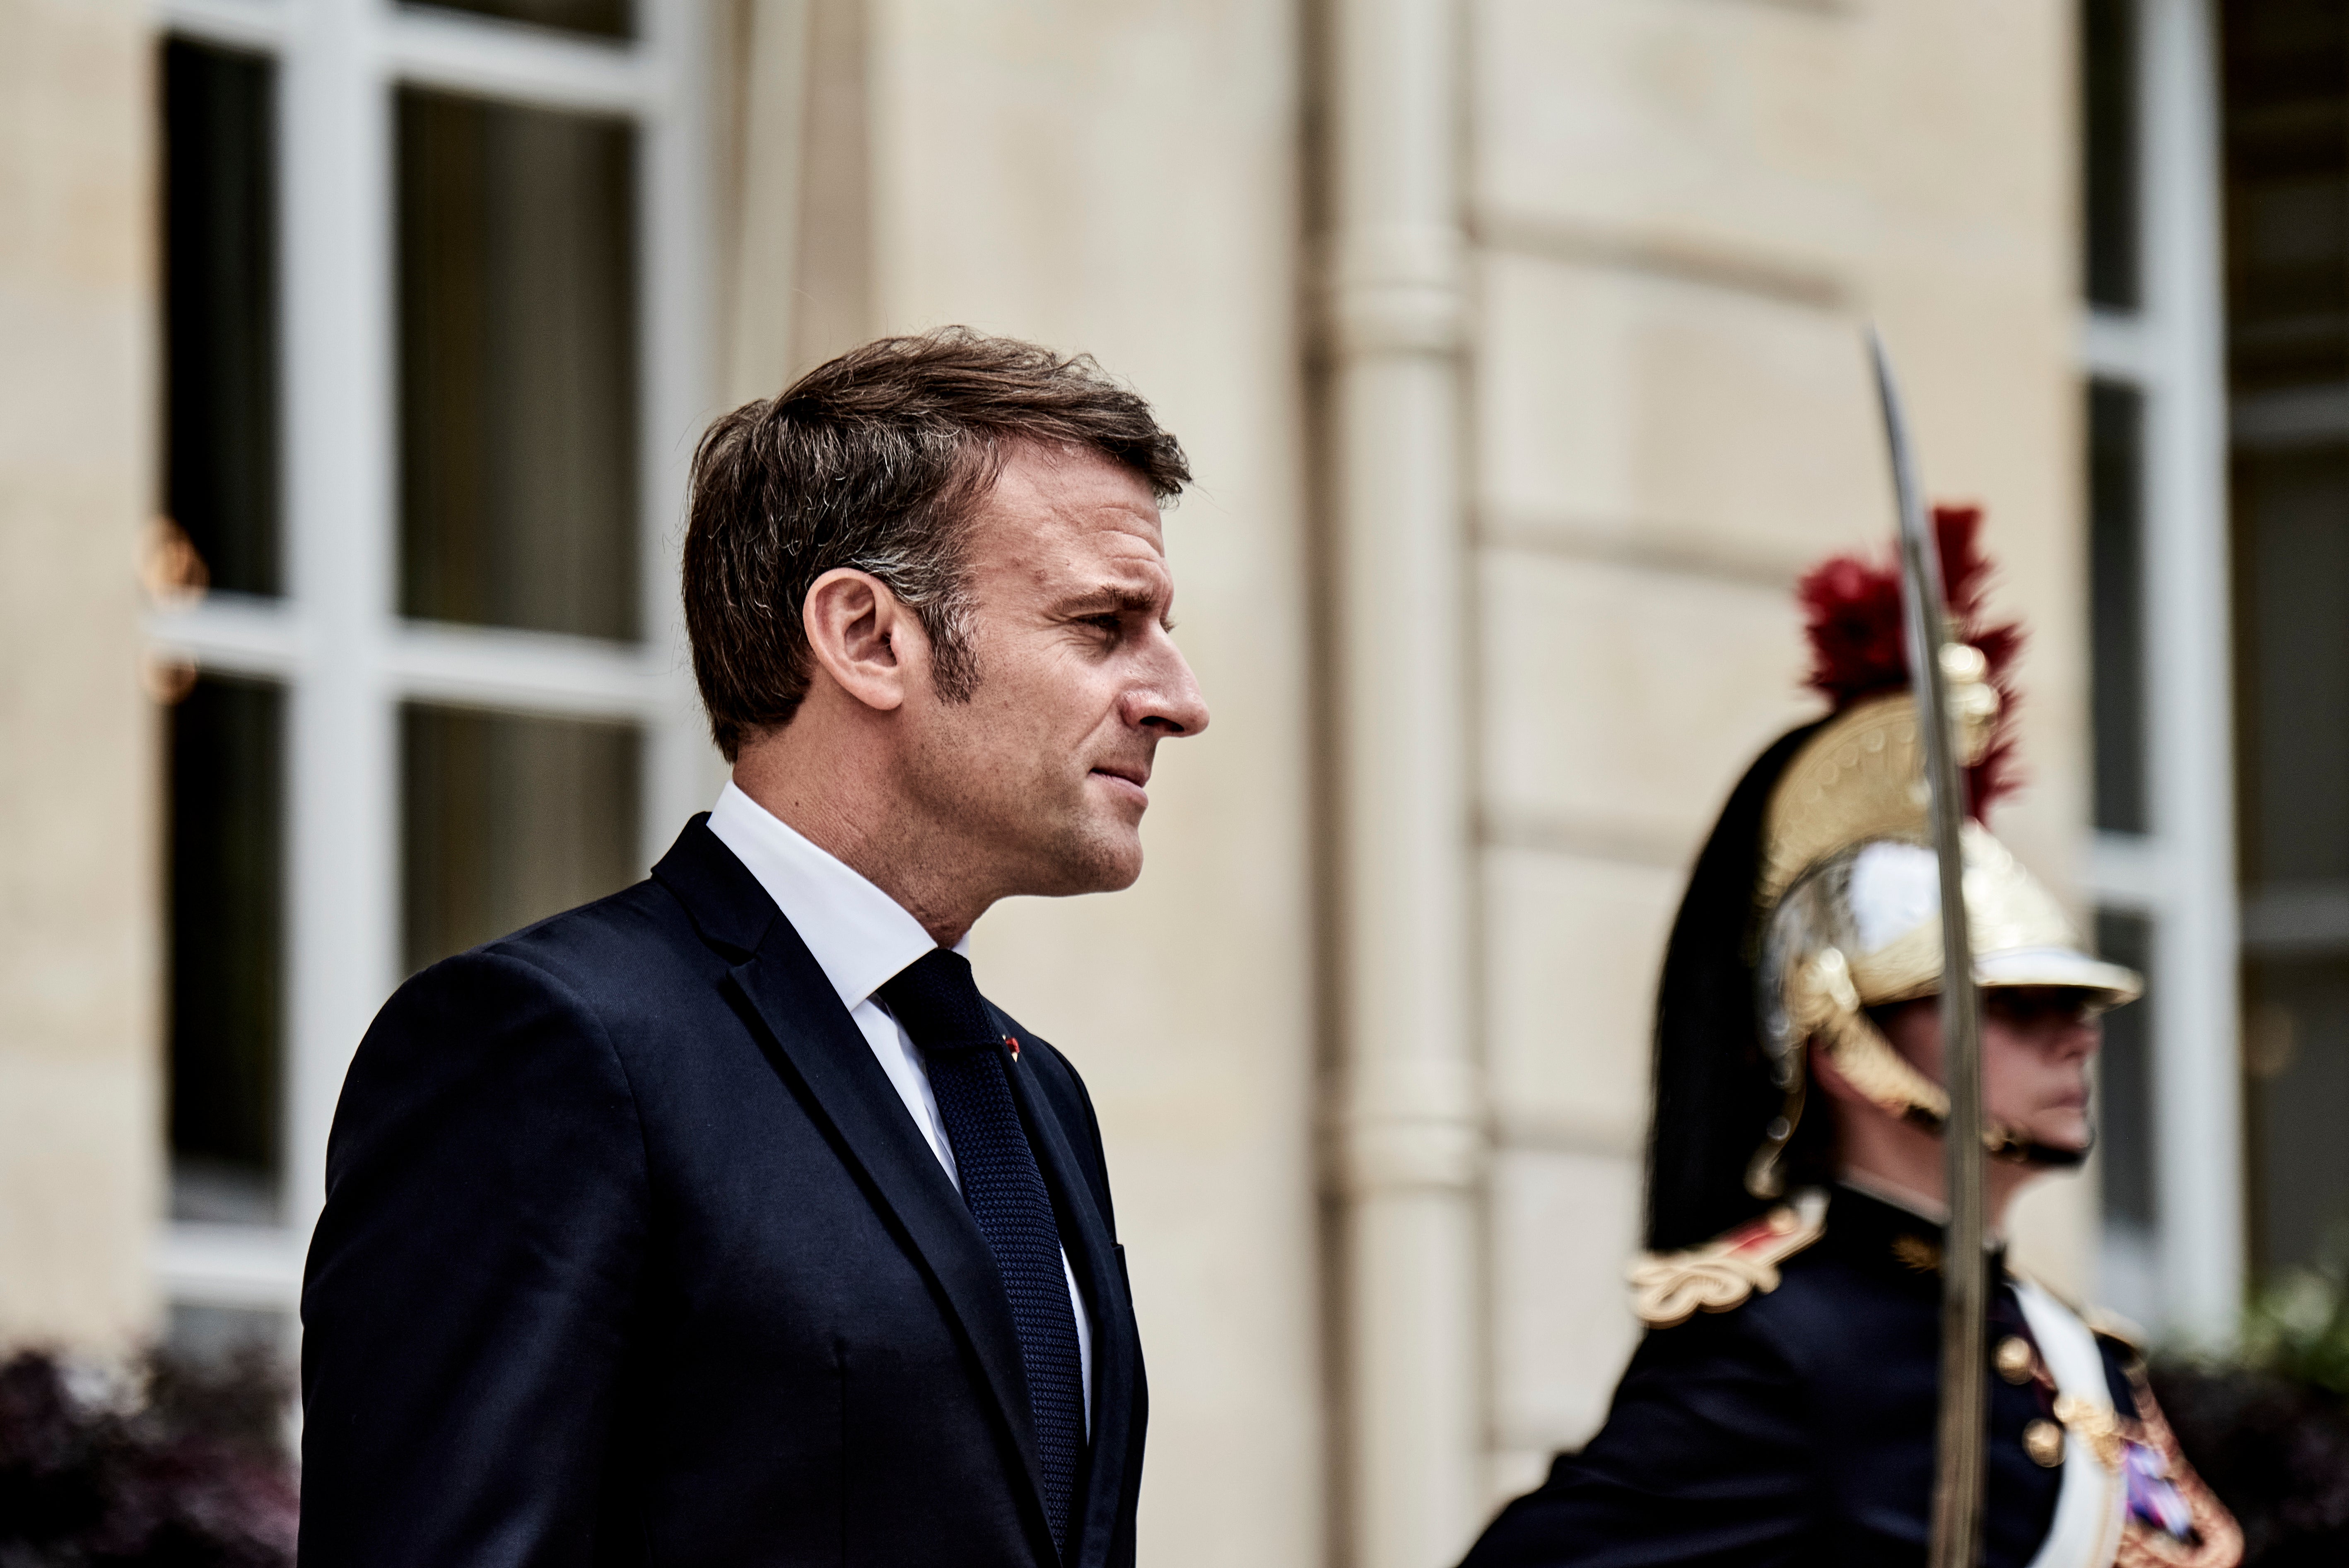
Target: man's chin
{"points": [[1107, 859], [1117, 863]]}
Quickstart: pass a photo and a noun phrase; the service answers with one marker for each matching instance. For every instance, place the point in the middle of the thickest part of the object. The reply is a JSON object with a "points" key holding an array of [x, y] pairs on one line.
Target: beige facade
{"points": [[1683, 213], [80, 1128], [1516, 347]]}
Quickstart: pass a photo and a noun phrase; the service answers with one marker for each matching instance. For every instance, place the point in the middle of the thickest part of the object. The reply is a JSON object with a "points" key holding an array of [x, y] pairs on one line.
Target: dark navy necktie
{"points": [[939, 1004]]}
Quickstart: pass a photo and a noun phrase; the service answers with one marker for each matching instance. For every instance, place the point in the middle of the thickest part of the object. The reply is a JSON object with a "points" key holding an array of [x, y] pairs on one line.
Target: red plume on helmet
{"points": [[1858, 649]]}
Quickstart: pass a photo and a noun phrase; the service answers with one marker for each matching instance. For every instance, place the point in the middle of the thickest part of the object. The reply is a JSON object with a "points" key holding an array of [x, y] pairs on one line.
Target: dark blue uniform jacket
{"points": [[1794, 1428]]}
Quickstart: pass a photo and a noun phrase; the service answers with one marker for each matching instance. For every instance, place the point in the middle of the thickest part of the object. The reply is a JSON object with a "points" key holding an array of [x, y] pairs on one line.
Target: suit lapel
{"points": [[817, 1044], [1093, 1254]]}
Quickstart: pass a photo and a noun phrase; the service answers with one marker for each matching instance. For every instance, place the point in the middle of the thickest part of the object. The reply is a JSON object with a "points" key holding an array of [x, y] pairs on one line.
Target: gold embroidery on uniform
{"points": [[2094, 1425], [1671, 1288], [1919, 1253], [2218, 1540]]}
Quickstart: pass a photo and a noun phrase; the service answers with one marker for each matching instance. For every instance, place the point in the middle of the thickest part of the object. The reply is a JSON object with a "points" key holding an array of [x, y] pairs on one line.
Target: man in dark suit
{"points": [[722, 1222]]}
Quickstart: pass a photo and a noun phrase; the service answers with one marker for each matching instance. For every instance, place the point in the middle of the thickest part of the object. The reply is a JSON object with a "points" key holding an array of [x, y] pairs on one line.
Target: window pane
{"points": [[610, 18], [2297, 1051], [518, 376], [2109, 172], [2124, 1079], [2287, 155], [226, 850], [219, 311], [2287, 165], [2294, 717], [2117, 603], [2127, 1267], [509, 820], [210, 1337]]}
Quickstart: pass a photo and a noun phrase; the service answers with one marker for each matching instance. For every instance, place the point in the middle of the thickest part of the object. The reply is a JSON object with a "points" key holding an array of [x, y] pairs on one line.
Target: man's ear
{"points": [[863, 638]]}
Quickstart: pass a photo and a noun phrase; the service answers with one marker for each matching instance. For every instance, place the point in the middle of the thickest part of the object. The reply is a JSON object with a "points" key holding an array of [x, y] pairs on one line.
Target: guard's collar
{"points": [[1872, 1218]]}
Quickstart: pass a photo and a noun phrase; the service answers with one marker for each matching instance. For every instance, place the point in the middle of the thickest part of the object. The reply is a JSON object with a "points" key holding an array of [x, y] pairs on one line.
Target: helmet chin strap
{"points": [[2047, 1156], [1823, 1008]]}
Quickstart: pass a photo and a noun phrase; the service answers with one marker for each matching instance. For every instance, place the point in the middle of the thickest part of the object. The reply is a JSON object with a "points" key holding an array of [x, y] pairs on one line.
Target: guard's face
{"points": [[2037, 1043], [1045, 768]]}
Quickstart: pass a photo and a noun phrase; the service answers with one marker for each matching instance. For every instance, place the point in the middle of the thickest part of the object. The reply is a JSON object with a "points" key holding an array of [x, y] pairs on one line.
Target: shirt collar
{"points": [[859, 935]]}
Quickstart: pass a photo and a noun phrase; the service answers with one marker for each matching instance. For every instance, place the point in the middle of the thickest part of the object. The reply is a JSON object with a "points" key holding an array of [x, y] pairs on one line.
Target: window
{"points": [[2124, 1094], [2109, 164], [220, 310], [2287, 165], [505, 818], [2161, 865], [517, 367], [2116, 603], [433, 366], [226, 877]]}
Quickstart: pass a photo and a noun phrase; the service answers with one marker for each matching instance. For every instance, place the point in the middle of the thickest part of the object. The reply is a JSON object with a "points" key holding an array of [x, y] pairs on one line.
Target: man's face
{"points": [[1043, 773], [2037, 1042]]}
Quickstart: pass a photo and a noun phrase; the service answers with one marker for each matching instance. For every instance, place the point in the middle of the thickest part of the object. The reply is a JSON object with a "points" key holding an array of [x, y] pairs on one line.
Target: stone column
{"points": [[1410, 1132]]}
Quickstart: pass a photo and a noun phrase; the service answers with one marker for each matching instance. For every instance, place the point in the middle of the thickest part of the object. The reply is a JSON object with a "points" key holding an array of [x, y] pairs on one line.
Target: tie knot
{"points": [[939, 1004]]}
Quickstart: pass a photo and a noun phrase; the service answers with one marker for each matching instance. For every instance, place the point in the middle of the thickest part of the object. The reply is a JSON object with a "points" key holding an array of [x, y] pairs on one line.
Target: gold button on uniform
{"points": [[2016, 1363], [2044, 1441]]}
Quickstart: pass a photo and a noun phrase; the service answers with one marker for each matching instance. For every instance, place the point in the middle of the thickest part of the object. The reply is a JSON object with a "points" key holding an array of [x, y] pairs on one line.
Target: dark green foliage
{"points": [[2270, 1431], [2299, 1326], [2275, 1450]]}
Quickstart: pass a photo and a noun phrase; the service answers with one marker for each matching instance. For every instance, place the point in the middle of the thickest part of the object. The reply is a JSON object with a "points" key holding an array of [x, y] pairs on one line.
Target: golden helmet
{"points": [[1821, 876]]}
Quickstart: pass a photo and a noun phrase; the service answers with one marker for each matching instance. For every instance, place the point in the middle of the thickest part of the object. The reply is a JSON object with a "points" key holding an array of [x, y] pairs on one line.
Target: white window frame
{"points": [[335, 642], [2181, 874]]}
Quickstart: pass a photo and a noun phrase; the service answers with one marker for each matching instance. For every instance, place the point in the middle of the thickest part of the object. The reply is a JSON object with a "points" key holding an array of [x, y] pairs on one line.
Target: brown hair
{"points": [[875, 460]]}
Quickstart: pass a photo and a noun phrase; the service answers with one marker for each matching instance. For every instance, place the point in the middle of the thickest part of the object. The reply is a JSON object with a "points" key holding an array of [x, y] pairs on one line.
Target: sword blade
{"points": [[1965, 1273]]}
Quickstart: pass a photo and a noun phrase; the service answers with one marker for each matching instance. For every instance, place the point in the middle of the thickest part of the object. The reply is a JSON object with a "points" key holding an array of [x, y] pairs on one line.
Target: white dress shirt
{"points": [[861, 937]]}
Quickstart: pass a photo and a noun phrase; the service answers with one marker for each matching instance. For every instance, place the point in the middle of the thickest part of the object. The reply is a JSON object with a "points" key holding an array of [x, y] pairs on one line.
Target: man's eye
{"points": [[1109, 622]]}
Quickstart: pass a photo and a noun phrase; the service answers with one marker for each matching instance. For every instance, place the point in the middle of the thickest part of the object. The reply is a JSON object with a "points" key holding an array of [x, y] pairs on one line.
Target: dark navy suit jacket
{"points": [[631, 1255]]}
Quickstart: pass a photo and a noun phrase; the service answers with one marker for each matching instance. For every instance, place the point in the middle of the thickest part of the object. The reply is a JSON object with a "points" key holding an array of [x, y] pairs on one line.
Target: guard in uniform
{"points": [[1781, 1407]]}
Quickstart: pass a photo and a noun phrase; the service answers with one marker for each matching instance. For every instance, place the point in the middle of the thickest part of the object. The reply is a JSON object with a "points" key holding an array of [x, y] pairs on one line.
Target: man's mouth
{"points": [[1125, 780]]}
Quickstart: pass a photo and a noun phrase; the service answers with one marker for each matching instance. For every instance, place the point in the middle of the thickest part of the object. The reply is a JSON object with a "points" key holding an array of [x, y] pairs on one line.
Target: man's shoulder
{"points": [[624, 951], [1826, 1303], [1727, 1274], [609, 943]]}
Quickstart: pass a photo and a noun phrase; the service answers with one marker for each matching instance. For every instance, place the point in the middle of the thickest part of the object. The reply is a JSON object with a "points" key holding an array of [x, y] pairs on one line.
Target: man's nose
{"points": [[1168, 700]]}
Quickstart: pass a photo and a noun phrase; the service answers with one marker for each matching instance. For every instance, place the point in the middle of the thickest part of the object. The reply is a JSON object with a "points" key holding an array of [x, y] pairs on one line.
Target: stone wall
{"points": [[1683, 212], [79, 1124]]}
